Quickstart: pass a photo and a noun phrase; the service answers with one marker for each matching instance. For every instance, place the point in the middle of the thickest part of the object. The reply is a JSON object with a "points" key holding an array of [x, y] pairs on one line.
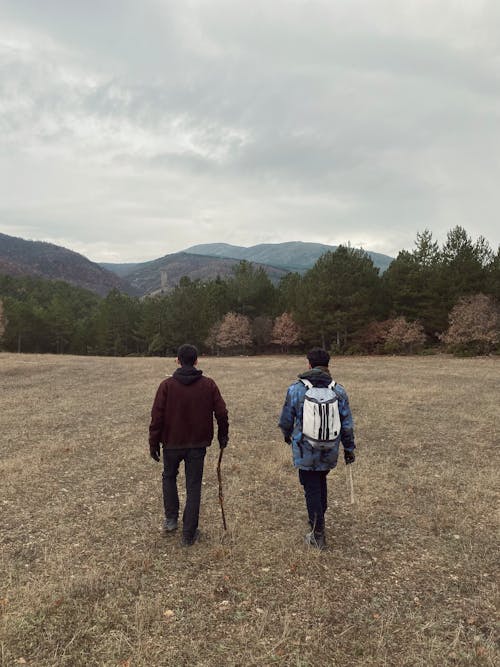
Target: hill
{"points": [[292, 255], [146, 278], [19, 257]]}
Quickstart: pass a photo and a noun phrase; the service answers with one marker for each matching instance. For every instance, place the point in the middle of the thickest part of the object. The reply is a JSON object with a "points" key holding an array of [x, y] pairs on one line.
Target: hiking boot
{"points": [[169, 526], [189, 541], [316, 538]]}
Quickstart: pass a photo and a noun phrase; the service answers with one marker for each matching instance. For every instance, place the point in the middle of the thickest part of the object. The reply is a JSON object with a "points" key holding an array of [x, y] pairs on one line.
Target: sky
{"points": [[130, 130]]}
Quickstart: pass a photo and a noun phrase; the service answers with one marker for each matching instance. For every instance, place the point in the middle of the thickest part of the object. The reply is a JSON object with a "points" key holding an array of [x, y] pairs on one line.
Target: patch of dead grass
{"points": [[410, 574]]}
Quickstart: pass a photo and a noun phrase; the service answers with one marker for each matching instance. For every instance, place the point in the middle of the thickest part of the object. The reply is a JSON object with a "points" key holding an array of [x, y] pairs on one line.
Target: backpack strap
{"points": [[310, 385], [332, 386]]}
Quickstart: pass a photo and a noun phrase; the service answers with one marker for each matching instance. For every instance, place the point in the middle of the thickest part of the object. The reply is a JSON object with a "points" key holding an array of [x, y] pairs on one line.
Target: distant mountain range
{"points": [[20, 257], [147, 277], [209, 260], [291, 256]]}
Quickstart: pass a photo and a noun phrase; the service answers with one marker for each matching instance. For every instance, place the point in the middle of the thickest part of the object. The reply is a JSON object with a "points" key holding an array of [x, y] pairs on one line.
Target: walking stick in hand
{"points": [[351, 485], [221, 494]]}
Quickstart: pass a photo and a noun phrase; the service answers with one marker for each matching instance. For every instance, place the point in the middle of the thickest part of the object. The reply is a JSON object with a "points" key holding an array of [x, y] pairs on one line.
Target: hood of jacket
{"points": [[187, 374], [318, 376]]}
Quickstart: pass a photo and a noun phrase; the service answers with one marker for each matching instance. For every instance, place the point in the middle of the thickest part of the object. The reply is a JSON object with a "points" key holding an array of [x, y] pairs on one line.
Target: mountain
{"points": [[146, 278], [209, 260], [291, 256], [19, 257]]}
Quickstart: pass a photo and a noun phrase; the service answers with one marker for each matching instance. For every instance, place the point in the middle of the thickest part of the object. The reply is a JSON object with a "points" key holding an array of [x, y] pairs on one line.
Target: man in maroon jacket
{"points": [[182, 420]]}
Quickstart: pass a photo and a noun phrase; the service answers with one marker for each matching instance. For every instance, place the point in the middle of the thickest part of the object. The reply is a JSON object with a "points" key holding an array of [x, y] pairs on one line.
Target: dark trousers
{"points": [[194, 459], [315, 491]]}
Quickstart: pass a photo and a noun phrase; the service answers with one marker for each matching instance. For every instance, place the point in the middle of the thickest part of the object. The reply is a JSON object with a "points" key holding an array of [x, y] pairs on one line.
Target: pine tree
{"points": [[414, 286], [464, 264], [338, 296], [251, 291]]}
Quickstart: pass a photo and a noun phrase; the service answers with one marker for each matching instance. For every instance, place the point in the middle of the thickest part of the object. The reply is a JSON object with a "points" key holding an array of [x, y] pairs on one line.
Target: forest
{"points": [[431, 298]]}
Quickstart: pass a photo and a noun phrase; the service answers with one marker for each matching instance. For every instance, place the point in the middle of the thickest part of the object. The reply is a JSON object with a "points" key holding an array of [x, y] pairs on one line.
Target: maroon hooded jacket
{"points": [[183, 411]]}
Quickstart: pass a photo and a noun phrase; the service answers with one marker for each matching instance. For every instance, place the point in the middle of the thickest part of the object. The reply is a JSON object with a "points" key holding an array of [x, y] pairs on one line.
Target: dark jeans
{"points": [[315, 491], [194, 459]]}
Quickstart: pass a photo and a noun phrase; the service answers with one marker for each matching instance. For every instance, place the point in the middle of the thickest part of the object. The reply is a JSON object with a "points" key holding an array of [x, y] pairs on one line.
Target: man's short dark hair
{"points": [[187, 354], [318, 357]]}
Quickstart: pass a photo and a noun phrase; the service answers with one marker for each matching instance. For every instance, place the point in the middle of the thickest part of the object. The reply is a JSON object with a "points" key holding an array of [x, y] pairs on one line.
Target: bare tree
{"points": [[234, 332], [211, 340], [286, 332], [373, 337], [404, 336], [474, 324]]}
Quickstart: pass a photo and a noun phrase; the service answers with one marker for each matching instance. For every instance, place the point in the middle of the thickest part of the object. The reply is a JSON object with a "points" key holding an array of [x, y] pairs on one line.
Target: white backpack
{"points": [[321, 418]]}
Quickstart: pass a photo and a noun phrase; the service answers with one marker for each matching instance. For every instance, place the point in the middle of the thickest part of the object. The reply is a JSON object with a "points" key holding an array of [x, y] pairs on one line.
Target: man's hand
{"points": [[223, 440], [154, 451], [349, 457]]}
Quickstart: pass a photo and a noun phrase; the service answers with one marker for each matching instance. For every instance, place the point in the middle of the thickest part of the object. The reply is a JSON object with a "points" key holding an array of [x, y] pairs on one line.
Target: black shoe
{"points": [[189, 541], [169, 526], [316, 538]]}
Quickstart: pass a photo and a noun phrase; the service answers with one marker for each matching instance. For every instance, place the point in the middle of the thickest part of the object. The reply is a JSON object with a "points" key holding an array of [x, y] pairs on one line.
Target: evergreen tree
{"points": [[493, 276], [188, 314], [464, 265], [251, 291], [262, 328], [151, 325], [414, 288], [339, 295], [116, 322], [219, 299], [25, 330], [45, 315], [289, 293], [60, 322]]}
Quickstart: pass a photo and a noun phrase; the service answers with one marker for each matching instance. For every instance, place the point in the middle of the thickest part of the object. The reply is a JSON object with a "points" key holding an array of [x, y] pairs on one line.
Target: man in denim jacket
{"points": [[314, 464]]}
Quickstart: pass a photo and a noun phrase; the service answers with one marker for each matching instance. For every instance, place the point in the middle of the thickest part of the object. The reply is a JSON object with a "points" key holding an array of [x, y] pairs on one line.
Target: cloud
{"points": [[145, 130]]}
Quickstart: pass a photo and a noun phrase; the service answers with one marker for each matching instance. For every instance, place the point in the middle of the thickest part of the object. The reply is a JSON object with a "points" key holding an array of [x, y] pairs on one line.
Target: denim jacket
{"points": [[304, 456]]}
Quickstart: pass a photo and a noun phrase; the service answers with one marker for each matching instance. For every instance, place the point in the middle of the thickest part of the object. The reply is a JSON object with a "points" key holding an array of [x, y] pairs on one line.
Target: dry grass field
{"points": [[409, 577]]}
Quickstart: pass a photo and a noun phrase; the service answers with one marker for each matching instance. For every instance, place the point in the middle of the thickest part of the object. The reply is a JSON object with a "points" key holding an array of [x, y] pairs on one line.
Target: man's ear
{"points": [[196, 363], [178, 362]]}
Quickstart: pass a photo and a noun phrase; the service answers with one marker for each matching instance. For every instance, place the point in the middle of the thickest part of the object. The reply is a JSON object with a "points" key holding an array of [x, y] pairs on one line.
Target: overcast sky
{"points": [[131, 129]]}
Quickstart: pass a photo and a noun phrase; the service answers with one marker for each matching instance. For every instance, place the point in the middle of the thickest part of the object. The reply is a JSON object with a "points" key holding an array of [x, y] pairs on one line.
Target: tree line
{"points": [[428, 297]]}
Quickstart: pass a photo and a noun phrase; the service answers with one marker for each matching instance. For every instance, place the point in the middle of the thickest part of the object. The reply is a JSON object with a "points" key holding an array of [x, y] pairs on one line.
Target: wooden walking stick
{"points": [[221, 494], [351, 485]]}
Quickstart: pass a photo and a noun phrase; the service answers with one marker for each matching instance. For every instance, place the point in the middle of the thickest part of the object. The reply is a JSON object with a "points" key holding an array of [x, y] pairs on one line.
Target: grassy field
{"points": [[409, 577]]}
